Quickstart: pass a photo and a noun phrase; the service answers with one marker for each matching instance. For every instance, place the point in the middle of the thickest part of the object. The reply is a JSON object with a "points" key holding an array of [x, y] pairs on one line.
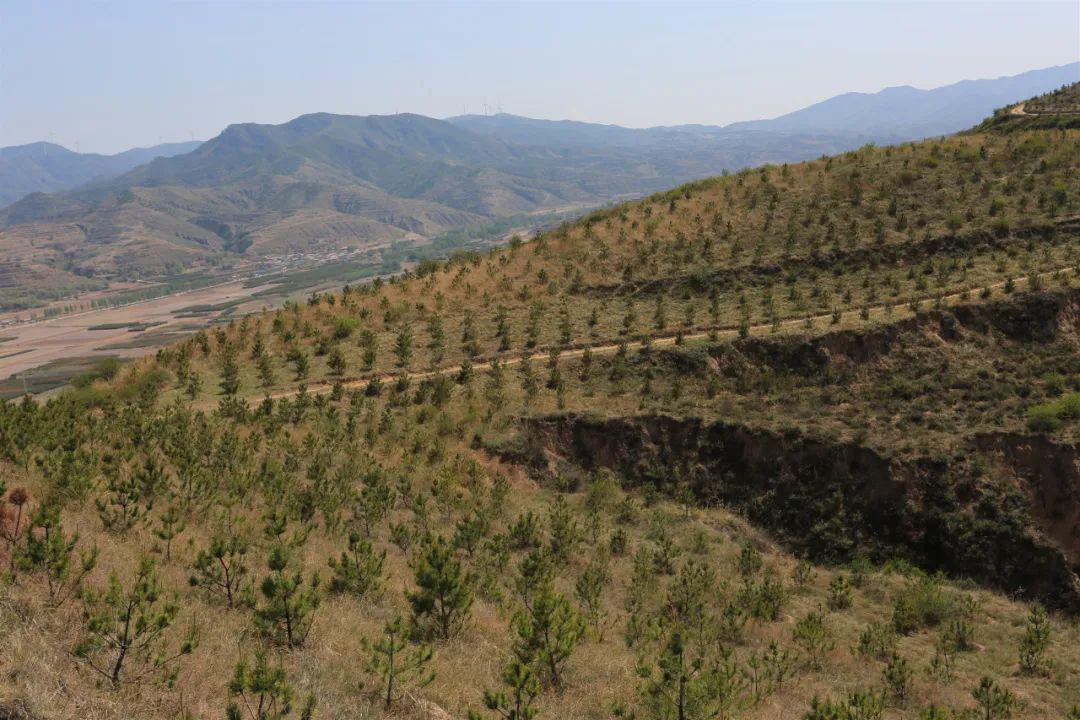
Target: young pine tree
{"points": [[397, 666], [289, 603], [49, 550], [359, 570], [685, 687], [443, 599], [995, 702], [125, 627], [170, 525], [548, 632], [221, 570], [263, 692], [518, 701], [1035, 642]]}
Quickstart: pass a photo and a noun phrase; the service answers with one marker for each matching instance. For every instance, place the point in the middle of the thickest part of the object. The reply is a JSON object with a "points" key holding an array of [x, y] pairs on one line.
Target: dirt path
{"points": [[610, 348]]}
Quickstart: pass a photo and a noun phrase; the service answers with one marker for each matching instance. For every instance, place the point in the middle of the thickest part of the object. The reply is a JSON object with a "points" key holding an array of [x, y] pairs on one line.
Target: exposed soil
{"points": [[831, 500]]}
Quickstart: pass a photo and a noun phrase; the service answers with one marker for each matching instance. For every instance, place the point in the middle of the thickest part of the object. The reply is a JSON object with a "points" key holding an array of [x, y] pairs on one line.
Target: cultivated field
{"points": [[34, 345]]}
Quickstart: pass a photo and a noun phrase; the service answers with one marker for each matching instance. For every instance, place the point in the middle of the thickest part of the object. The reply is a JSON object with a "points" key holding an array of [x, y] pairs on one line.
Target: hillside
{"points": [[1058, 109], [319, 182], [48, 168], [797, 441], [324, 182]]}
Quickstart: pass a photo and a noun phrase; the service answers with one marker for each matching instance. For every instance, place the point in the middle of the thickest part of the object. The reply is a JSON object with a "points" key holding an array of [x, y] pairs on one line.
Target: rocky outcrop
{"points": [[828, 500]]}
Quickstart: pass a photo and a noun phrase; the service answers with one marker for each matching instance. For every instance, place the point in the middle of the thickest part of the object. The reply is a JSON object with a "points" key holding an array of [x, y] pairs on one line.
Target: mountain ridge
{"points": [[325, 181], [857, 113], [47, 167]]}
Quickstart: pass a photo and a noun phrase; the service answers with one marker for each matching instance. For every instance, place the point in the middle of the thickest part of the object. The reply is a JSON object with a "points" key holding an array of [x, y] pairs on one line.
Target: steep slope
{"points": [[807, 434], [47, 167], [871, 238]]}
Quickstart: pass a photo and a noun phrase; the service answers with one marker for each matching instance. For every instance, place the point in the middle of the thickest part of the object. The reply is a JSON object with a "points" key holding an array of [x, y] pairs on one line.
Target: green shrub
{"points": [[1049, 417], [1043, 419], [922, 604]]}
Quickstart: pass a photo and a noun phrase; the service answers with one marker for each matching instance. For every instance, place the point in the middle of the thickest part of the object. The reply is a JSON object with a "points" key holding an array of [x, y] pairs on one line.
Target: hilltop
{"points": [[803, 436], [48, 167]]}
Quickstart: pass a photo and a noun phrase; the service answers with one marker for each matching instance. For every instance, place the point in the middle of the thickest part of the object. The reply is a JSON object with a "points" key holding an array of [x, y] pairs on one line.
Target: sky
{"points": [[104, 77]]}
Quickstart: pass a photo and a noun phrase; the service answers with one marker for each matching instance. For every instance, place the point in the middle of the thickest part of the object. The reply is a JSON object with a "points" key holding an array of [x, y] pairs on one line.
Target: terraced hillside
{"points": [[800, 441], [1058, 109]]}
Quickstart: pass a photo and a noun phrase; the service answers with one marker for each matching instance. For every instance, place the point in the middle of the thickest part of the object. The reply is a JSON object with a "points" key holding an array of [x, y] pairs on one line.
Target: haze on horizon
{"points": [[111, 76]]}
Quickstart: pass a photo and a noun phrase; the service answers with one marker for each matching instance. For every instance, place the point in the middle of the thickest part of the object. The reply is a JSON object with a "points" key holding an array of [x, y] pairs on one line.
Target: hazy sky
{"points": [[117, 75]]}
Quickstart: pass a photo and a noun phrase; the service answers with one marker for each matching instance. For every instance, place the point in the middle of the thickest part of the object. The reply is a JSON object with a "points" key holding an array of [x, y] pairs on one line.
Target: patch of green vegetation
{"points": [[1050, 417], [134, 326], [55, 374], [207, 308]]}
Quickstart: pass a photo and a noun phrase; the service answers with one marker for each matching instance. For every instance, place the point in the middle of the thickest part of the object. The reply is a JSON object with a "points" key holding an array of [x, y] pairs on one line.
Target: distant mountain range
{"points": [[47, 167], [328, 181], [913, 113], [893, 114]]}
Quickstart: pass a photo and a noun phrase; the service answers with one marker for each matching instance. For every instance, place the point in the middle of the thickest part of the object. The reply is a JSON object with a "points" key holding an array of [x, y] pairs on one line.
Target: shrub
{"points": [[1043, 419], [922, 604], [1049, 417], [1035, 643], [877, 640], [839, 594]]}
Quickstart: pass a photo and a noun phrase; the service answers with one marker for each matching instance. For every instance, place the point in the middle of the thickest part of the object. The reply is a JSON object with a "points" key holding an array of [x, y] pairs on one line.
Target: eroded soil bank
{"points": [[1011, 521]]}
